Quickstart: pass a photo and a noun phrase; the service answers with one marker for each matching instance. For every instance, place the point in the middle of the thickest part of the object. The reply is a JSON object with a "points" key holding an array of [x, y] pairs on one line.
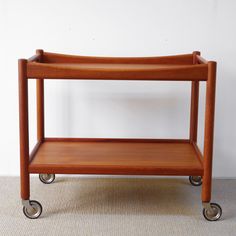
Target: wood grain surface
{"points": [[116, 157]]}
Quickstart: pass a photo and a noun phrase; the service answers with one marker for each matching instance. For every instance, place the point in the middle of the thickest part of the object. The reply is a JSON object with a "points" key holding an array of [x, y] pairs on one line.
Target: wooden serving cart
{"points": [[176, 157]]}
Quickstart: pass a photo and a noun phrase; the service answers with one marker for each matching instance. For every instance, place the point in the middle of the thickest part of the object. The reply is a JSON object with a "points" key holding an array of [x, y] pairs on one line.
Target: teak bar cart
{"points": [[176, 157]]}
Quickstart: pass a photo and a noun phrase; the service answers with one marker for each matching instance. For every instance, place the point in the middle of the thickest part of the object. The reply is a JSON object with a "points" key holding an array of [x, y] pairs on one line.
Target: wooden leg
{"points": [[209, 132], [40, 109], [194, 111], [24, 136], [40, 102], [194, 105]]}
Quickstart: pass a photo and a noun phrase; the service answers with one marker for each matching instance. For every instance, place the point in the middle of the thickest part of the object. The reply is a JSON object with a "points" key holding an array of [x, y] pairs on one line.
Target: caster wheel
{"points": [[47, 178], [214, 213], [195, 180], [35, 211]]}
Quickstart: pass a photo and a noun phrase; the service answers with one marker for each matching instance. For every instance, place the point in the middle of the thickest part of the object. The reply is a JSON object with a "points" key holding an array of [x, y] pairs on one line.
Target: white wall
{"points": [[118, 109]]}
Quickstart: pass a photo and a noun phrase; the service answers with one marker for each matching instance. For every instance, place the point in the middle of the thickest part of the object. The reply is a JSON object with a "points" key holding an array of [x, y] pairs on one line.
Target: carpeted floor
{"points": [[111, 206]]}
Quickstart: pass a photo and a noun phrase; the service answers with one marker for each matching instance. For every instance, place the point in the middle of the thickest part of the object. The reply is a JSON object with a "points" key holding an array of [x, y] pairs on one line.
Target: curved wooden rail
{"points": [[184, 59]]}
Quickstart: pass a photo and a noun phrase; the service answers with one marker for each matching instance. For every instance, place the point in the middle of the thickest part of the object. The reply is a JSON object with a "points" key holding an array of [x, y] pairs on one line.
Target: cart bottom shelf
{"points": [[114, 156]]}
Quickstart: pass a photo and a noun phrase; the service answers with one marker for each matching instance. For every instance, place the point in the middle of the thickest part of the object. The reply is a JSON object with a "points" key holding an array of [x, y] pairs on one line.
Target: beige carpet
{"points": [[111, 206]]}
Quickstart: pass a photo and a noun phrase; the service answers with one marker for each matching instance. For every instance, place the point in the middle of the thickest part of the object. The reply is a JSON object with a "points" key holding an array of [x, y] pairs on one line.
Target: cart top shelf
{"points": [[187, 67]]}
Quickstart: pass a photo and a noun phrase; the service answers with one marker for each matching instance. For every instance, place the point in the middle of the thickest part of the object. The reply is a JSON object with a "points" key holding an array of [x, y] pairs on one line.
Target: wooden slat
{"points": [[114, 157], [117, 71], [62, 58]]}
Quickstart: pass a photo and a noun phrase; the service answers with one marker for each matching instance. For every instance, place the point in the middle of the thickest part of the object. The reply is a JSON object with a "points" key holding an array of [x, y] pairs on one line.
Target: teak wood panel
{"points": [[108, 71], [116, 157]]}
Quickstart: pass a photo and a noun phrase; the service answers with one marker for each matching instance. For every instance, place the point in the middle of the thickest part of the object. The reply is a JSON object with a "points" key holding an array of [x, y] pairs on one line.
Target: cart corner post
{"points": [[194, 105], [40, 102], [40, 52], [24, 130], [209, 131]]}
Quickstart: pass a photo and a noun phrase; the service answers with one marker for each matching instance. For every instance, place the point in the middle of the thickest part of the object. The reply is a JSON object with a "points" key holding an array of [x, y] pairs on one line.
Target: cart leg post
{"points": [[44, 178], [31, 209], [40, 109], [209, 132], [194, 180], [40, 103], [194, 106], [211, 211], [24, 133], [194, 111]]}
